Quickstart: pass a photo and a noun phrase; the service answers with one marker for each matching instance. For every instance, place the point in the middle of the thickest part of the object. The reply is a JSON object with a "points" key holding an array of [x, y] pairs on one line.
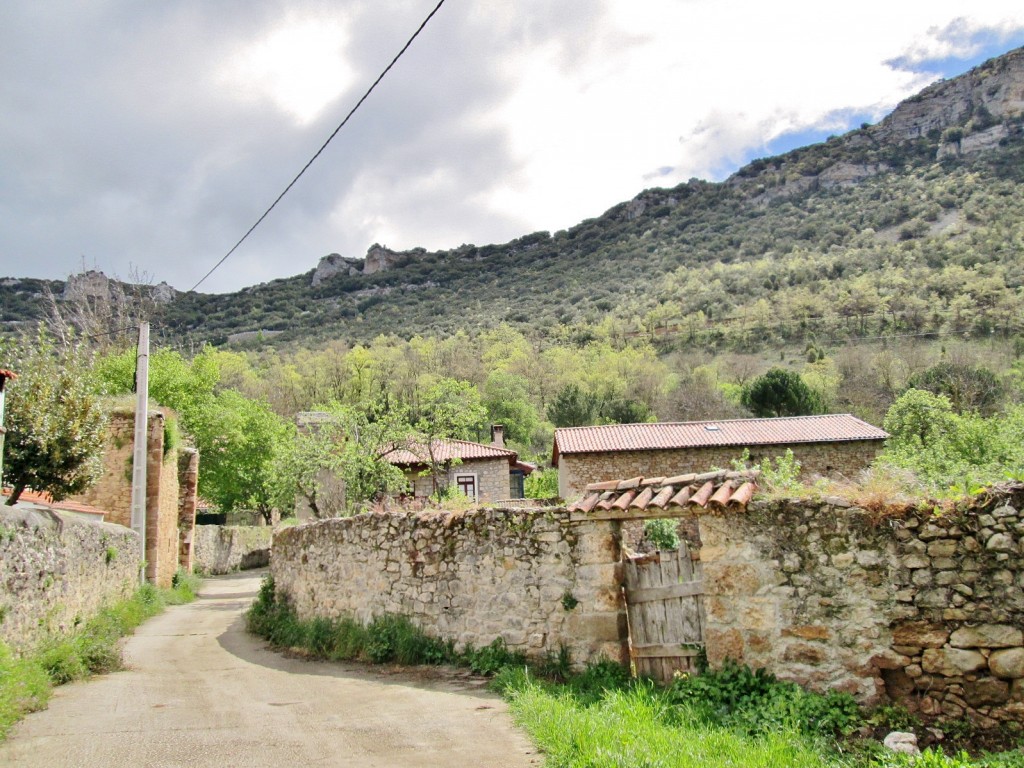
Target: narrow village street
{"points": [[199, 691]]}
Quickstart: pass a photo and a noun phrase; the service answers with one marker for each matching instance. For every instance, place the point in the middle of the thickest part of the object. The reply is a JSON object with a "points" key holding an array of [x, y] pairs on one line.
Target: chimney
{"points": [[497, 435]]}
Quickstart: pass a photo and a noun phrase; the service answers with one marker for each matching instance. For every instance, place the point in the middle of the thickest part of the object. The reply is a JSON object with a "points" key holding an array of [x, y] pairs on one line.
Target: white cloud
{"points": [[299, 65], [157, 133]]}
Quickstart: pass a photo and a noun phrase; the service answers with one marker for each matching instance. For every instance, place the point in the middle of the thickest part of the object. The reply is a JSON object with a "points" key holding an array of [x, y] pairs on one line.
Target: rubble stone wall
{"points": [[531, 577], [57, 570], [924, 607], [576, 470], [218, 549]]}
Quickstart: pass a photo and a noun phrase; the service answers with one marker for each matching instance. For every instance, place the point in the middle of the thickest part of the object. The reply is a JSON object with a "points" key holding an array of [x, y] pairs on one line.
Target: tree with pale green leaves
{"points": [[55, 424]]}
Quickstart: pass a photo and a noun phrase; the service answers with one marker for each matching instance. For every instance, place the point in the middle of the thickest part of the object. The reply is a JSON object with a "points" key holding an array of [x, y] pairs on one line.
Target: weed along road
{"points": [[199, 691]]}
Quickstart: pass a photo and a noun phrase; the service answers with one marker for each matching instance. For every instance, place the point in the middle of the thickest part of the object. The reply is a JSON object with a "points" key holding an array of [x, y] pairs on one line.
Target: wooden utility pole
{"points": [[139, 456]]}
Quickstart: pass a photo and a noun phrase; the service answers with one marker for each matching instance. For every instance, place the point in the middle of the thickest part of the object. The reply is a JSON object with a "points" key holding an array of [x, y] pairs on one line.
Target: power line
{"points": [[323, 146]]}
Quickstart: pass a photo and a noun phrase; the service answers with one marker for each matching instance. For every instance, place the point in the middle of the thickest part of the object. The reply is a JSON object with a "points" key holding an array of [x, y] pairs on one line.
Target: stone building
{"points": [[824, 445], [171, 476], [484, 473]]}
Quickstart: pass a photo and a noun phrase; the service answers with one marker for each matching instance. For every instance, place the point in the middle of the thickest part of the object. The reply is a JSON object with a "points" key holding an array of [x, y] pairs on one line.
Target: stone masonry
{"points": [[533, 577], [57, 570], [113, 492], [917, 606], [222, 549], [576, 470], [492, 478]]}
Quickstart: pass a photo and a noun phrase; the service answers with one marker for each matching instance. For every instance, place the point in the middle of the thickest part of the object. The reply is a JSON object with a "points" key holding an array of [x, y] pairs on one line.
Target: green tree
{"points": [[237, 440], [507, 400], [781, 393], [448, 409], [347, 448], [572, 407], [969, 388], [55, 424]]}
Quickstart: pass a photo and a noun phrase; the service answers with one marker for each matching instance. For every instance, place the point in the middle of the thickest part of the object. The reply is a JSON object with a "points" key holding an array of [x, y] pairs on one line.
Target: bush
{"points": [[756, 702], [662, 534]]}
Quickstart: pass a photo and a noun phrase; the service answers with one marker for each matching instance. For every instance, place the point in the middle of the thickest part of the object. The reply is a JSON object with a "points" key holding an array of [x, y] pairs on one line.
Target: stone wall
{"points": [[492, 477], [532, 577], [919, 607], [57, 570], [113, 492], [188, 480], [221, 549], [576, 470]]}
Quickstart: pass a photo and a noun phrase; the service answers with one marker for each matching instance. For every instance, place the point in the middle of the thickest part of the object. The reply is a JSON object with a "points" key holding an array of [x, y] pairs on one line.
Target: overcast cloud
{"points": [[150, 136]]}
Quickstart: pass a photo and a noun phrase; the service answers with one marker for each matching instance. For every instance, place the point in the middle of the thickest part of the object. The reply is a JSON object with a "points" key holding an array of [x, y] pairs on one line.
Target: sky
{"points": [[144, 139]]}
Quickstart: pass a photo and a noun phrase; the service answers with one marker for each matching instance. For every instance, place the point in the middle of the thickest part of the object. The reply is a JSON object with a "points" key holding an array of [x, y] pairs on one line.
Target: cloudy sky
{"points": [[140, 137]]}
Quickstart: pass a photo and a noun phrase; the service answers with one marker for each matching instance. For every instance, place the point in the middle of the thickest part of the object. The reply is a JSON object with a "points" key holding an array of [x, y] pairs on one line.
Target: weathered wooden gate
{"points": [[665, 610]]}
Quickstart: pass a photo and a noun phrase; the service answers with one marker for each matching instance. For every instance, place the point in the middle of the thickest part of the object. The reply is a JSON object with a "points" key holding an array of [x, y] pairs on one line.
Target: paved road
{"points": [[199, 691]]}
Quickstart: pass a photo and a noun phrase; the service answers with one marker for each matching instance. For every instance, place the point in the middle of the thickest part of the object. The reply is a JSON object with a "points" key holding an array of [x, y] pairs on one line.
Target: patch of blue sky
{"points": [[983, 44]]}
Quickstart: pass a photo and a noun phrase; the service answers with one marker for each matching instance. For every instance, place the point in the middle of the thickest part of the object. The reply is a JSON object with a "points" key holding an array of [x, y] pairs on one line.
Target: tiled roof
{"points": [[830, 428], [638, 495], [446, 450], [44, 499]]}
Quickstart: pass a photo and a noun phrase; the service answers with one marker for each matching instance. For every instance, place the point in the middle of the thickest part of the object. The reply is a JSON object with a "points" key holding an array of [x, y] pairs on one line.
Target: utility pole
{"points": [[139, 456]]}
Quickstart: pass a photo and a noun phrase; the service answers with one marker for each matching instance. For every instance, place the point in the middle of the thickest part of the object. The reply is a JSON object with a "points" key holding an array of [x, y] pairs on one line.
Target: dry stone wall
{"points": [[57, 570], [922, 608], [219, 549], [533, 578], [576, 470]]}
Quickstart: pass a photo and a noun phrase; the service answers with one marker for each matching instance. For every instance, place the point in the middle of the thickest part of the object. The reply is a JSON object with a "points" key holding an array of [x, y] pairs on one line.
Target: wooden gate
{"points": [[665, 610]]}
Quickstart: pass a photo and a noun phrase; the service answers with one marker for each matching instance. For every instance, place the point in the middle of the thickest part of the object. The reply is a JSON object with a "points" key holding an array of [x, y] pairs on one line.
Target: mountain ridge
{"points": [[887, 186]]}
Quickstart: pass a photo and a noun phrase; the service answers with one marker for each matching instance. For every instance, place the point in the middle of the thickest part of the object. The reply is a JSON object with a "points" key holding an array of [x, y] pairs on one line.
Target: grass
{"points": [[386, 639], [732, 716], [93, 648]]}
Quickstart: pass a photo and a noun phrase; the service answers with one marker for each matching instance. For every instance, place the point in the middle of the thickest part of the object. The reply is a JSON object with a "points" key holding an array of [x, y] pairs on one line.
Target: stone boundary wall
{"points": [[919, 607], [576, 470], [57, 570], [219, 549], [531, 577]]}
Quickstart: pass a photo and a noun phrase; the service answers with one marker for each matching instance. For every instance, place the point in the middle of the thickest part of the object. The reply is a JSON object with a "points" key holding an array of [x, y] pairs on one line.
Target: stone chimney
{"points": [[497, 435]]}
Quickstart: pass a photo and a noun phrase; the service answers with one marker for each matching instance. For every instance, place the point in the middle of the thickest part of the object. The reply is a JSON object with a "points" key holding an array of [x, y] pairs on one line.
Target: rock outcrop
{"points": [[991, 92]]}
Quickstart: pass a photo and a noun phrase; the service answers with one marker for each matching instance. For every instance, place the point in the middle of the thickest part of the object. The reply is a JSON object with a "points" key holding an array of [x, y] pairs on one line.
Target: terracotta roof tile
{"points": [[828, 428], [715, 490], [446, 450], [44, 499]]}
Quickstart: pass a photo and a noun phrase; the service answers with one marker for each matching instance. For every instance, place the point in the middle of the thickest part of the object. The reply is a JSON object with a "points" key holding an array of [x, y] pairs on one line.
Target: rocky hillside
{"points": [[912, 226]]}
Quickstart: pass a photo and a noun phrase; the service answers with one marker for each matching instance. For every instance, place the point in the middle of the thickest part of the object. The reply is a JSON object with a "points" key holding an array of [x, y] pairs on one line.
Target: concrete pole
{"points": [[139, 456]]}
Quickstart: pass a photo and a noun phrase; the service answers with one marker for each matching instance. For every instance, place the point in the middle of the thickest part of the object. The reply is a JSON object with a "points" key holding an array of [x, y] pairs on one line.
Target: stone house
{"points": [[827, 444], [484, 473]]}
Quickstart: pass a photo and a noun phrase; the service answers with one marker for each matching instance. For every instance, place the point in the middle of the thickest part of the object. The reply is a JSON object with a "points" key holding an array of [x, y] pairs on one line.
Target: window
{"points": [[516, 490], [467, 484]]}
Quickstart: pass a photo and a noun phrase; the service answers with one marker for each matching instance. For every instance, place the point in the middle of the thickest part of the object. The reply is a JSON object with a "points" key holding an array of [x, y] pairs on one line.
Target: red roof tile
{"points": [[446, 450], [44, 499], [829, 428], [711, 490]]}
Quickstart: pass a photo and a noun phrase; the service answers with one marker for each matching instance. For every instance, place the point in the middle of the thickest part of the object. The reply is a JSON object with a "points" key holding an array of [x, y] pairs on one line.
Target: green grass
{"points": [[732, 716], [637, 727], [93, 648], [386, 639]]}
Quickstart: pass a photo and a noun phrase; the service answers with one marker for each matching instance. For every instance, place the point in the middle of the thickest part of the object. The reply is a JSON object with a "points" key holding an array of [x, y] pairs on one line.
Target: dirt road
{"points": [[199, 691]]}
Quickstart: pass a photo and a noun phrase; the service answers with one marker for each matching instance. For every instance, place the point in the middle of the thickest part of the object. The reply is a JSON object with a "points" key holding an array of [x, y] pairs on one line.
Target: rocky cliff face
{"points": [[992, 92], [377, 259]]}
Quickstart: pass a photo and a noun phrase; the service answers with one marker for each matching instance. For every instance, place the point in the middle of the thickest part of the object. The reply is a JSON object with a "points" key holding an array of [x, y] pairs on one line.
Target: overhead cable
{"points": [[323, 146]]}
